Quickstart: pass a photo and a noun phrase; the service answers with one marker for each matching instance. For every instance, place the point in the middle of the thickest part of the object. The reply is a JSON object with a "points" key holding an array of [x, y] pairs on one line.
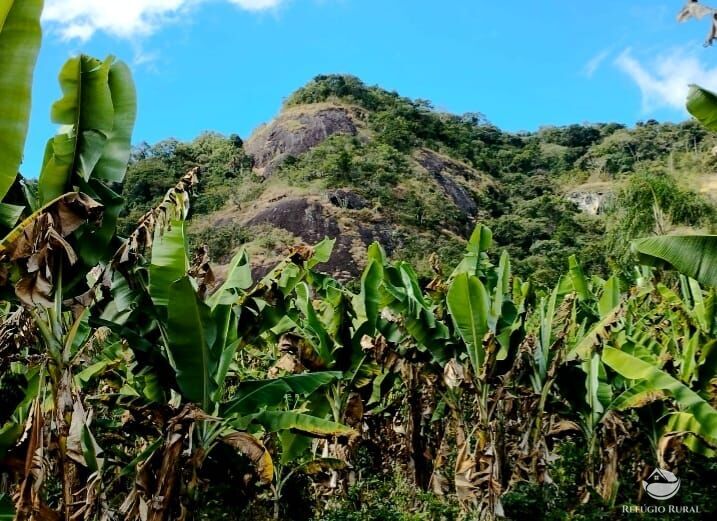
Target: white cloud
{"points": [[664, 81], [256, 5], [595, 62], [81, 19]]}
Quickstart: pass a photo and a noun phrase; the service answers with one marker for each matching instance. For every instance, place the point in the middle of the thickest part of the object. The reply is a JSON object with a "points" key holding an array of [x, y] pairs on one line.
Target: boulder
{"points": [[295, 132], [452, 176]]}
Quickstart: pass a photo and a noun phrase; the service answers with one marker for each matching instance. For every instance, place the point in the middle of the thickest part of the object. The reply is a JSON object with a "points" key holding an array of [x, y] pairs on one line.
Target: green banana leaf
{"points": [[322, 253], [169, 263], [597, 392], [313, 328], [191, 341], [368, 302], [578, 279], [469, 305], [238, 279], [10, 214], [293, 446], [226, 344], [691, 255], [277, 421], [599, 332], [405, 297], [480, 242], [610, 298], [254, 395], [502, 289], [631, 367], [20, 36], [683, 422], [112, 165], [702, 104], [97, 114]]}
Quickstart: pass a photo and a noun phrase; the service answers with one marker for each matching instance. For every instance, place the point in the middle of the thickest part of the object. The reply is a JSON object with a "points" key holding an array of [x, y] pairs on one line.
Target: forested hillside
{"points": [[346, 160]]}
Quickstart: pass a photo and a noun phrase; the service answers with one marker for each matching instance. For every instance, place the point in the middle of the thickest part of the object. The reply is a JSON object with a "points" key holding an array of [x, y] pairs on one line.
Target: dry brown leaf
{"points": [[255, 450], [453, 374], [563, 426], [38, 245], [354, 410], [201, 270], [287, 364], [174, 206]]}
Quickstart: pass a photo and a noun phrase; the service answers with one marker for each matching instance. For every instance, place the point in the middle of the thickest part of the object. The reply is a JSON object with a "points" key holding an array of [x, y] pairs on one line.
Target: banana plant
{"points": [[77, 181], [66, 229], [485, 306]]}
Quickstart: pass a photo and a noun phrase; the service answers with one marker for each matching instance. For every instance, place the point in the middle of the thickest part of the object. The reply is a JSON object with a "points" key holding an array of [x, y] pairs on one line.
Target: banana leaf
{"points": [[20, 36], [238, 278], [169, 263], [479, 243], [277, 421], [578, 279], [469, 305], [10, 214], [314, 329], [368, 301], [191, 342], [691, 255], [702, 104], [322, 253], [632, 368], [683, 422], [97, 113], [254, 395]]}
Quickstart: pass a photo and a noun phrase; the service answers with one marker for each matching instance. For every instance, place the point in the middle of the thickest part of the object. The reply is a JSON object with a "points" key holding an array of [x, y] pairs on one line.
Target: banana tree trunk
{"points": [[71, 482]]}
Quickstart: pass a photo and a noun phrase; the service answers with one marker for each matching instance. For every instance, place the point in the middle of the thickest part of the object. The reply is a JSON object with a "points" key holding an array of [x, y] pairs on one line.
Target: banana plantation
{"points": [[136, 385]]}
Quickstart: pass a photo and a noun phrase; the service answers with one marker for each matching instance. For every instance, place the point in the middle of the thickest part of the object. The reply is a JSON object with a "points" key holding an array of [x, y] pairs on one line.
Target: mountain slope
{"points": [[360, 164]]}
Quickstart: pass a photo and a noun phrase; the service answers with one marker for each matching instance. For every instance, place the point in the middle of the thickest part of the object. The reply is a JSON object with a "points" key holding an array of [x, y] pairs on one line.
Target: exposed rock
{"points": [[301, 217], [590, 202], [295, 132], [347, 199], [311, 222], [446, 172], [381, 233]]}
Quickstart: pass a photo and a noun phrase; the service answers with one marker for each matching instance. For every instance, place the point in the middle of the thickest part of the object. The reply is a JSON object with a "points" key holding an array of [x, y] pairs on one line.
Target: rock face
{"points": [[311, 221], [300, 217], [453, 177], [295, 132], [347, 199], [590, 202]]}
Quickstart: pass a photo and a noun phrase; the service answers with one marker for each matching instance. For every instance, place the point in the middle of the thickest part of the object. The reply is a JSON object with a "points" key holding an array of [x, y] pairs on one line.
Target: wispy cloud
{"points": [[664, 80], [256, 5], [81, 19], [592, 66]]}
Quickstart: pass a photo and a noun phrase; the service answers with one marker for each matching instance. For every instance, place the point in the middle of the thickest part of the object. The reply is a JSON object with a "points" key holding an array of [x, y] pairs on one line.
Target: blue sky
{"points": [[226, 65]]}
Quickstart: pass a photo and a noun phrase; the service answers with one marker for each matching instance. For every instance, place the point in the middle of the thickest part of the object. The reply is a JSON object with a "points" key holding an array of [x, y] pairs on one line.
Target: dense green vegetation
{"points": [[540, 375], [652, 172]]}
